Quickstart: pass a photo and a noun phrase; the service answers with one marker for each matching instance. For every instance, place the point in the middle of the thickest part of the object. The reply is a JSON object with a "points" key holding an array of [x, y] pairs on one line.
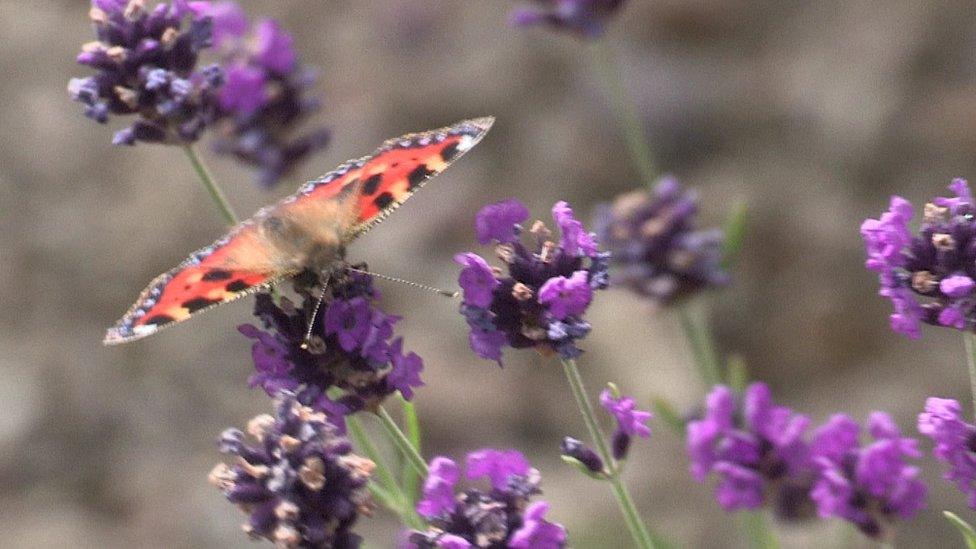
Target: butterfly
{"points": [[307, 231]]}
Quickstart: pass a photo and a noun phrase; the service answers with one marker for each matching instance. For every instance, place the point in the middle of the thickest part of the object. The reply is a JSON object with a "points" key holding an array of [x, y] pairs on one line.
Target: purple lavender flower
{"points": [[955, 442], [146, 65], [928, 275], [351, 348], [266, 96], [630, 421], [500, 517], [586, 18], [870, 486], [755, 448], [657, 251], [298, 481], [541, 301]]}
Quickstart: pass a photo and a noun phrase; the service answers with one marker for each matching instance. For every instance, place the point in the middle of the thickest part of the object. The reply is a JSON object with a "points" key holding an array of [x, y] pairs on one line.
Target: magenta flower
{"points": [[755, 448], [955, 443], [503, 516], [541, 301], [630, 421], [928, 275], [872, 485]]}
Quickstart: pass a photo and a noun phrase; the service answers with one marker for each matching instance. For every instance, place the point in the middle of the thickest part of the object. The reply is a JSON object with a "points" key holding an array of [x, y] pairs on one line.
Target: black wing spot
{"points": [[449, 152], [198, 303], [372, 184], [383, 200], [417, 176], [159, 319], [217, 274], [237, 286]]}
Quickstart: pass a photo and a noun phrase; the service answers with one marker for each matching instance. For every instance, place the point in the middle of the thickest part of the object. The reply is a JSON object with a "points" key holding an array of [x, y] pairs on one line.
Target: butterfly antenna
{"points": [[445, 293], [315, 311]]}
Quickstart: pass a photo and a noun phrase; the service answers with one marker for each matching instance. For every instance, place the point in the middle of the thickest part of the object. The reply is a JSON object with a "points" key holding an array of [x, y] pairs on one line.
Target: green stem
{"points": [[387, 489], [700, 340], [401, 441], [624, 110], [411, 479], [757, 528], [970, 339], [211, 185], [638, 530]]}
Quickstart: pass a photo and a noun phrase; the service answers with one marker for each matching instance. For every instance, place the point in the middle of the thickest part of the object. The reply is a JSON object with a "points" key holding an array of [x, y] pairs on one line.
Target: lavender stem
{"points": [[211, 185], [636, 526]]}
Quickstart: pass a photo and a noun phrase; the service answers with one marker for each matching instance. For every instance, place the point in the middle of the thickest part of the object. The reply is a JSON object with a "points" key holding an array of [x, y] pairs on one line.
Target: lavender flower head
{"points": [[657, 251], [955, 443], [549, 285], [351, 350], [755, 448], [630, 420], [586, 18], [146, 66], [930, 275], [298, 481], [266, 96], [869, 486], [500, 517]]}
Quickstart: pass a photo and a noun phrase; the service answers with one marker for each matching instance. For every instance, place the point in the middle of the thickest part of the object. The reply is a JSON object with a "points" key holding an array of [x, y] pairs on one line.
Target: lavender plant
{"points": [[540, 303], [503, 516], [350, 362], [755, 448], [296, 479]]}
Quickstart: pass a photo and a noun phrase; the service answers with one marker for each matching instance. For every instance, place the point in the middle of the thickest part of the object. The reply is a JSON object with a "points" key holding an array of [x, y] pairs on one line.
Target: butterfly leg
{"points": [[307, 340]]}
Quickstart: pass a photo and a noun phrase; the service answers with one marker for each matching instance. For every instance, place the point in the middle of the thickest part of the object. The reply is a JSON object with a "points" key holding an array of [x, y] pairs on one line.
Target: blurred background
{"points": [[811, 112]]}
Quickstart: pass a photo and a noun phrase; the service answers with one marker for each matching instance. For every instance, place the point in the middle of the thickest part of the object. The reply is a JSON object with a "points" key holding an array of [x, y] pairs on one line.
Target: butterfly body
{"points": [[307, 231]]}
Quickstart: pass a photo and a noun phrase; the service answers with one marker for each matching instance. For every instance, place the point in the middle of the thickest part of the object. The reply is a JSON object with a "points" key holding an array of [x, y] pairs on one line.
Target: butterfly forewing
{"points": [[305, 230]]}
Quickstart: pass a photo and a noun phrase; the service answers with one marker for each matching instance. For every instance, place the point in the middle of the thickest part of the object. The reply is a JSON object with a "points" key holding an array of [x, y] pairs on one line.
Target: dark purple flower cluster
{"points": [[146, 65], [657, 251], [298, 481], [756, 449], [587, 18], [929, 276], [499, 518], [350, 350], [266, 94], [630, 420], [549, 285], [870, 485], [955, 443]]}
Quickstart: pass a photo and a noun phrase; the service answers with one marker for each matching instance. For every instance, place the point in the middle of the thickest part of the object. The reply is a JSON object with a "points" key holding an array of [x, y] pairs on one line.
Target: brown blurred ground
{"points": [[813, 112]]}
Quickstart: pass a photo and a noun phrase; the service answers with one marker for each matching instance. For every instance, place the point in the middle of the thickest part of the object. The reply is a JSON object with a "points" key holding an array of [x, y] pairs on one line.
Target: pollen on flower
{"points": [[539, 299]]}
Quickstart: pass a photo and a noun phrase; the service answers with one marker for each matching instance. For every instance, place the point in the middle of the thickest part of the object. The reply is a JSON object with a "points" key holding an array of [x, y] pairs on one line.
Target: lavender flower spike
{"points": [[755, 448], [541, 302], [266, 97], [658, 252], [630, 421], [586, 18], [928, 275], [145, 63], [501, 516], [352, 348], [872, 485], [299, 481], [955, 443]]}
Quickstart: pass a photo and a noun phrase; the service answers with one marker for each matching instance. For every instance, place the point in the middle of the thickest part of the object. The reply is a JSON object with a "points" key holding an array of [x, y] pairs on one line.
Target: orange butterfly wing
{"points": [[345, 202]]}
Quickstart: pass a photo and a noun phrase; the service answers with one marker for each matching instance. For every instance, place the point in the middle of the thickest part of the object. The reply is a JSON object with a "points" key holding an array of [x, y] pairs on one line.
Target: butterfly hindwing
{"points": [[307, 230]]}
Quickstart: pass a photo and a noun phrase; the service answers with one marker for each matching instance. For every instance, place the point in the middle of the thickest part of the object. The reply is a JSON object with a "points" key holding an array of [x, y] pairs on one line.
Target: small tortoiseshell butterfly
{"points": [[305, 231]]}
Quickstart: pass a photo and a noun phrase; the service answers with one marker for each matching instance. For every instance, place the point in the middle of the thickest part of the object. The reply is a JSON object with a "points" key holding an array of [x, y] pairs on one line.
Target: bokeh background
{"points": [[811, 112]]}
